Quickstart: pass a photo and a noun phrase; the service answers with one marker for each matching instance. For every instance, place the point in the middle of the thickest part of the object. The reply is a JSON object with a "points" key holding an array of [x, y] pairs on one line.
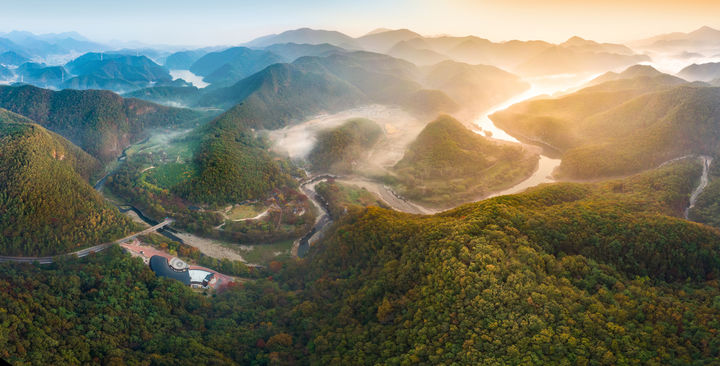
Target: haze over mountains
{"points": [[368, 200]]}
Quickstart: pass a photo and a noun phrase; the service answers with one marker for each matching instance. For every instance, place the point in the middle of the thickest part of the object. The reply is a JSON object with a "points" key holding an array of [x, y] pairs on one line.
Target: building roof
{"points": [[198, 276], [161, 267]]}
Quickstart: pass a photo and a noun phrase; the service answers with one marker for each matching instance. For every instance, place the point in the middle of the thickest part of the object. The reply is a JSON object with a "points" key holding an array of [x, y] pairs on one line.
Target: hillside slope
{"points": [[513, 280], [100, 122], [339, 149], [598, 128], [46, 203], [448, 164]]}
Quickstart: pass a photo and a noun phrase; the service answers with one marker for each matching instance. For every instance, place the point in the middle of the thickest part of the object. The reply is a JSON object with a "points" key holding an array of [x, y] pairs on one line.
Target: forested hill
{"points": [[448, 165], [592, 274], [598, 128], [232, 165], [47, 205], [285, 93], [586, 274], [100, 122], [339, 149]]}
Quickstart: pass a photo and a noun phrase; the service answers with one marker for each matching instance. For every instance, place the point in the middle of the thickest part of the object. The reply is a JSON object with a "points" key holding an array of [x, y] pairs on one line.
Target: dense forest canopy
{"points": [[449, 164], [339, 149], [507, 280], [47, 205]]}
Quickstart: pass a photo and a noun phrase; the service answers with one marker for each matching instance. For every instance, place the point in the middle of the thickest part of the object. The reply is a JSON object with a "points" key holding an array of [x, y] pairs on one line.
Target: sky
{"points": [[213, 22]]}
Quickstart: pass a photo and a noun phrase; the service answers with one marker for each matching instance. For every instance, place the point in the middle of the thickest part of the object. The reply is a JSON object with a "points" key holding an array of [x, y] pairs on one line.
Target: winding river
{"points": [[538, 87]]}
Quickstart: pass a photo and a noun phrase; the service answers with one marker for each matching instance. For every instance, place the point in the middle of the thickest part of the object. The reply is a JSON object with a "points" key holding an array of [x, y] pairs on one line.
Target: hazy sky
{"points": [[236, 21]]}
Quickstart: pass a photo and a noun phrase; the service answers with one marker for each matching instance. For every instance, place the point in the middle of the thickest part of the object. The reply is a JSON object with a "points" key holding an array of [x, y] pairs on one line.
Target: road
{"points": [[701, 186], [86, 251]]}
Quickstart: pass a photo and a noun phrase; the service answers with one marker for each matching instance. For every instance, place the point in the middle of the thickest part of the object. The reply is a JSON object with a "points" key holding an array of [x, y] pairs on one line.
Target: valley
{"points": [[400, 197]]}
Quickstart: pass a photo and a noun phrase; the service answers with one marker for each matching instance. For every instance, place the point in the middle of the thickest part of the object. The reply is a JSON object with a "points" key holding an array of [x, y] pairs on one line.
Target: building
{"points": [[179, 270], [162, 268]]}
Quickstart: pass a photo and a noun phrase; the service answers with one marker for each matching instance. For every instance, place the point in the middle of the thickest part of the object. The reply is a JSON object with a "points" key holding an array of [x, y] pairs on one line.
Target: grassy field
{"points": [[169, 175], [239, 212]]}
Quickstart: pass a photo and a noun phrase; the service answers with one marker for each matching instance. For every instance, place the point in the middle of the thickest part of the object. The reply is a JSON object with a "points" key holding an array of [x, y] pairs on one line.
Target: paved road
{"points": [[86, 251]]}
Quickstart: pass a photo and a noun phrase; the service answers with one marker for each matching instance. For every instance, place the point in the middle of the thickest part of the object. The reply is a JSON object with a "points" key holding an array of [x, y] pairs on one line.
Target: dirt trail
{"points": [[210, 247]]}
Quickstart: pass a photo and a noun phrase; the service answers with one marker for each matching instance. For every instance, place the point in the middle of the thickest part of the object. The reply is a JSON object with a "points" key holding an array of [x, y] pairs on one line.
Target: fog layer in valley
{"points": [[400, 129], [188, 76]]}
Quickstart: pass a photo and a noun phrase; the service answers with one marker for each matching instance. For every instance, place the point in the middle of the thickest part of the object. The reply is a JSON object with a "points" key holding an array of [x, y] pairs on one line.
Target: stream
{"points": [[302, 245]]}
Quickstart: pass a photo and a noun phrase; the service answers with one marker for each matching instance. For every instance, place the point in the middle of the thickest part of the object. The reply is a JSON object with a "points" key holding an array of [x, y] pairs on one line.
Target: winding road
{"points": [[84, 252], [701, 186]]}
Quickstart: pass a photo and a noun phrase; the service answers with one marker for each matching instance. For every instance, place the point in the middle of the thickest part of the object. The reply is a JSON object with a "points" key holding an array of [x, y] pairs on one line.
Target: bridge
{"points": [[84, 252]]}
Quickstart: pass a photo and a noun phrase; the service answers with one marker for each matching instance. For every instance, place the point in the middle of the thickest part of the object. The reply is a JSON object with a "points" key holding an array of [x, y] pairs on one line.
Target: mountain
{"points": [[448, 164], [634, 72], [115, 69], [580, 44], [597, 129], [44, 45], [502, 281], [281, 94], [30, 44], [5, 73], [383, 41], [418, 56], [168, 95], [292, 51], [475, 87], [338, 149], [183, 60], [703, 72], [41, 74], [474, 50], [232, 166], [306, 35], [285, 93], [46, 204], [229, 66], [86, 82], [100, 122], [493, 282], [563, 60], [11, 58], [7, 45], [703, 40]]}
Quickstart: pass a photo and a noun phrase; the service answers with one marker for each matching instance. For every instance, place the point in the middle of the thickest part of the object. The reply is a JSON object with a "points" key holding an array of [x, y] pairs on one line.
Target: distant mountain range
{"points": [[223, 67], [702, 72], [705, 40], [532, 57]]}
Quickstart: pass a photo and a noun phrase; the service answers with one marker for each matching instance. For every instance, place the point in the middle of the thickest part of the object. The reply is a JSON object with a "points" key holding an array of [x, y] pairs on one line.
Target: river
{"points": [[540, 86]]}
